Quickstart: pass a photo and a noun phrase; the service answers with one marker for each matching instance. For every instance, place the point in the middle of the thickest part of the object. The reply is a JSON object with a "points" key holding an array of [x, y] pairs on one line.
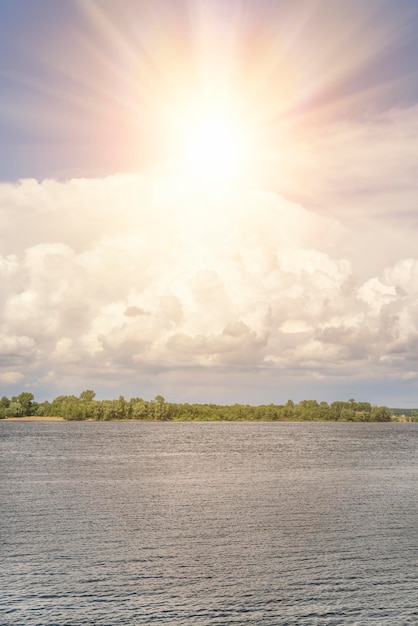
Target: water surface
{"points": [[120, 524]]}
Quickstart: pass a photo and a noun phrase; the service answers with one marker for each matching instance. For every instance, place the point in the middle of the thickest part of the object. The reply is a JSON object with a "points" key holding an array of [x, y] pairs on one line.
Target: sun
{"points": [[212, 145], [213, 148]]}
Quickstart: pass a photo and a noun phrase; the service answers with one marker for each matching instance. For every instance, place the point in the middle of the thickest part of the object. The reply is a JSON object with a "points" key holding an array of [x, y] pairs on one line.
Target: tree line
{"points": [[86, 407]]}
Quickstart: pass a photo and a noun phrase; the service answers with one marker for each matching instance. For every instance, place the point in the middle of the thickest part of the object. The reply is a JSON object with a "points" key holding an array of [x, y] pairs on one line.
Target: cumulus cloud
{"points": [[11, 378], [362, 171], [113, 279]]}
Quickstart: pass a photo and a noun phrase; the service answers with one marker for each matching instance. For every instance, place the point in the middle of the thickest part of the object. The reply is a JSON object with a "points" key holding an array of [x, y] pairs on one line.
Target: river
{"points": [[126, 524]]}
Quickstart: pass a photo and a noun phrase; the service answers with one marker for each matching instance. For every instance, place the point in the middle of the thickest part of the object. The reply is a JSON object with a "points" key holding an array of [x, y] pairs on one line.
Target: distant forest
{"points": [[86, 407]]}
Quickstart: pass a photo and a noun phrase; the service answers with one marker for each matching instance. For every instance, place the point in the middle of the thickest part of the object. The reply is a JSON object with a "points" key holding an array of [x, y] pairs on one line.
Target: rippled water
{"points": [[208, 523]]}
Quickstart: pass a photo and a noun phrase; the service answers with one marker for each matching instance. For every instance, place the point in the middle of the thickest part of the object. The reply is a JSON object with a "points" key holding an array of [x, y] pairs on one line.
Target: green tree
{"points": [[4, 405], [25, 399], [58, 406], [43, 408], [139, 409], [337, 408], [14, 409], [121, 408], [162, 409], [88, 395], [381, 414], [4, 402]]}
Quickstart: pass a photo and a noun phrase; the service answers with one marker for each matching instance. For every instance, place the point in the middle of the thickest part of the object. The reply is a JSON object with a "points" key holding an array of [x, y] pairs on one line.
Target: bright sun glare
{"points": [[212, 146]]}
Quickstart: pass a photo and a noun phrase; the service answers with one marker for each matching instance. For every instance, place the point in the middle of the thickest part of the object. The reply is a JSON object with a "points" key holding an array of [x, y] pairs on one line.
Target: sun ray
{"points": [[256, 70]]}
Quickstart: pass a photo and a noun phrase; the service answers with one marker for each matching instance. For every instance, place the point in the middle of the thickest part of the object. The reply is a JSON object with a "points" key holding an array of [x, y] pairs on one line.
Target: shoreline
{"points": [[36, 418], [33, 418]]}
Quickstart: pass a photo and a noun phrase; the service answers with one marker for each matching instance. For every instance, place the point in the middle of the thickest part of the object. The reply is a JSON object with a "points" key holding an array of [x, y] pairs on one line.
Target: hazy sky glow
{"points": [[212, 201]]}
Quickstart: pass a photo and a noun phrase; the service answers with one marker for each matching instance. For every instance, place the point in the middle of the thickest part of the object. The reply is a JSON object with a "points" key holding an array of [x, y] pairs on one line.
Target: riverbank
{"points": [[33, 418], [36, 418]]}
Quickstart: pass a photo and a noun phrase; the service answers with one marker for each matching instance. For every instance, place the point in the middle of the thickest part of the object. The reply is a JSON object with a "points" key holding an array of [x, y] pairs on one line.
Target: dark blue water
{"points": [[208, 523]]}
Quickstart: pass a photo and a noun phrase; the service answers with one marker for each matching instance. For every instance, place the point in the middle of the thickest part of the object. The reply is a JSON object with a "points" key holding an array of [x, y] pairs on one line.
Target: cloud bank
{"points": [[133, 278]]}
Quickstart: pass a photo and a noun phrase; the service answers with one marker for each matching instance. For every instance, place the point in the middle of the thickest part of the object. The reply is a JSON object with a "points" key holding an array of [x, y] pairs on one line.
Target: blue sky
{"points": [[215, 204]]}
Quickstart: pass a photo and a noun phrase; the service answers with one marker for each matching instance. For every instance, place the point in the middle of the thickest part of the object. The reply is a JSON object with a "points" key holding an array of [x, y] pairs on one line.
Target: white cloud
{"points": [[111, 279], [376, 294], [12, 345], [11, 378], [8, 265]]}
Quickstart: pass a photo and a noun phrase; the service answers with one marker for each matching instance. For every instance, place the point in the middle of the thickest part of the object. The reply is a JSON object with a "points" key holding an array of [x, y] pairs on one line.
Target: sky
{"points": [[211, 201]]}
